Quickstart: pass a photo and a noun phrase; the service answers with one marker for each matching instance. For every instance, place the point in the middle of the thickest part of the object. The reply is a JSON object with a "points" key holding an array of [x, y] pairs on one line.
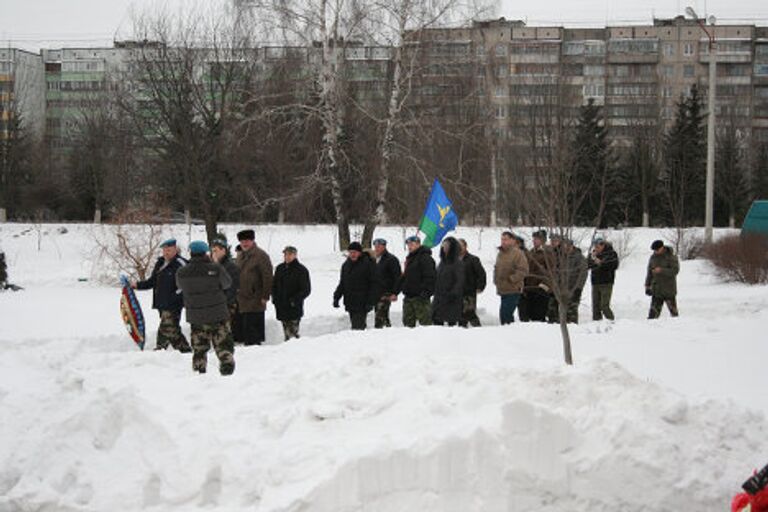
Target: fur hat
{"points": [[246, 234], [656, 245], [355, 246]]}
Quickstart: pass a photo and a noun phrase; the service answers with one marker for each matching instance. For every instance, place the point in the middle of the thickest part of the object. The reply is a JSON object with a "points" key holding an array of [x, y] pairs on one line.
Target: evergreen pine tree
{"points": [[731, 191], [684, 172], [759, 182], [593, 180]]}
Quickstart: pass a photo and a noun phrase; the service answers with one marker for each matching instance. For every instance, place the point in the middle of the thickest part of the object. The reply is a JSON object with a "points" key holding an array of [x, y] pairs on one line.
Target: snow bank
{"points": [[664, 415]]}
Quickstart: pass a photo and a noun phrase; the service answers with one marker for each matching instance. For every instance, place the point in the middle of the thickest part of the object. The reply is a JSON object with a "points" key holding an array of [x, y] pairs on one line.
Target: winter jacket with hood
{"points": [[663, 284], [447, 303], [418, 279], [165, 294], [203, 283]]}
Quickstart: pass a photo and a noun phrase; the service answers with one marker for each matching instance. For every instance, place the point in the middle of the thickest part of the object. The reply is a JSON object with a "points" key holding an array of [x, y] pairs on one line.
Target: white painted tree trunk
{"points": [[97, 216], [3, 215], [646, 219], [731, 221], [331, 115]]}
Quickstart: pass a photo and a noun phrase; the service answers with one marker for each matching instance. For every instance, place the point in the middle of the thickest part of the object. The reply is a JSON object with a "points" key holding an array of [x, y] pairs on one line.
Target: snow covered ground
{"points": [[654, 416]]}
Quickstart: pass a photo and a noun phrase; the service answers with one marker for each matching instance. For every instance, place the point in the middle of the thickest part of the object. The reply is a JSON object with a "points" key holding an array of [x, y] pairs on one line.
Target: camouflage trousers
{"points": [[219, 336], [657, 303], [382, 313], [169, 332], [416, 309], [291, 328], [469, 312]]}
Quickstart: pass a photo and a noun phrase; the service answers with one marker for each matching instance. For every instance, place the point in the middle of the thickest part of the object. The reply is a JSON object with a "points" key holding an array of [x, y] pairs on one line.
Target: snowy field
{"points": [[655, 416]]}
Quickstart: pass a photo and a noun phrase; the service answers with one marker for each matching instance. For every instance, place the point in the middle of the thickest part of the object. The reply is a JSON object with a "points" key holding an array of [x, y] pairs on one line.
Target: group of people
{"points": [[226, 298], [532, 282]]}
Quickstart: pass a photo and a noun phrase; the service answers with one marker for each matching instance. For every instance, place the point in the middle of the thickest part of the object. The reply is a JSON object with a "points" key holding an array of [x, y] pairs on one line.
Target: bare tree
{"points": [[190, 77]]}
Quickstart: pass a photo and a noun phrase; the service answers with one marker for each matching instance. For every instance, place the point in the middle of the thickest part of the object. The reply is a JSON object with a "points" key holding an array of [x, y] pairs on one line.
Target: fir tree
{"points": [[684, 171], [593, 179]]}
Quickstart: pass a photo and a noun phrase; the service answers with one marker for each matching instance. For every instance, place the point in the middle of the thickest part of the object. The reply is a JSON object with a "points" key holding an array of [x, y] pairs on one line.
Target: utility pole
{"points": [[710, 189]]}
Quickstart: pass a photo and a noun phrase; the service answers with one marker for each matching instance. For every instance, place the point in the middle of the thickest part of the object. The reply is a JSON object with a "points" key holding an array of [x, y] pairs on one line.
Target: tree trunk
{"points": [[494, 189], [97, 216], [646, 219], [3, 215], [564, 333], [210, 226], [732, 220], [331, 116]]}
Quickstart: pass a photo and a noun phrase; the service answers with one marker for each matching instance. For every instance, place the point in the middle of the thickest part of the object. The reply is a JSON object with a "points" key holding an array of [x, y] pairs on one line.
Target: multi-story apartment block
{"points": [[21, 90], [76, 81]]}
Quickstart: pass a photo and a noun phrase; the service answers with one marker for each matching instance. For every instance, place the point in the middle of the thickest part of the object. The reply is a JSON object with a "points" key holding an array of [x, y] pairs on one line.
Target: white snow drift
{"points": [[665, 415]]}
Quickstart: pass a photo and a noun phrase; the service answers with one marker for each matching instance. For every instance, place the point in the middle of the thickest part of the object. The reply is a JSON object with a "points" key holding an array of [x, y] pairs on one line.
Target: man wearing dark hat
{"points": [[204, 283], [166, 297], [357, 286], [537, 286], [661, 279], [417, 283], [387, 275], [220, 254], [290, 287], [255, 288]]}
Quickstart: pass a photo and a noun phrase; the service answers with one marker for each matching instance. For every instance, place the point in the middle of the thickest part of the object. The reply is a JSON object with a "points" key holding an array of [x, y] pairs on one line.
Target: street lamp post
{"points": [[710, 190]]}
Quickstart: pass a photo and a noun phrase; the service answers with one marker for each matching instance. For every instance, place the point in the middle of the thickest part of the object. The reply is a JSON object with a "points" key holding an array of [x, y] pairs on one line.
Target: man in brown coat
{"points": [[255, 288], [508, 275]]}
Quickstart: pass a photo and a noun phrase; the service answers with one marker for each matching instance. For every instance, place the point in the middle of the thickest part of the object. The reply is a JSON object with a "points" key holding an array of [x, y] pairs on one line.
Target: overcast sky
{"points": [[33, 24]]}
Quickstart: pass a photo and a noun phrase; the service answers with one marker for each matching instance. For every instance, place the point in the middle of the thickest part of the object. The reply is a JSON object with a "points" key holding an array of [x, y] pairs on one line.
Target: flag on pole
{"points": [[439, 217]]}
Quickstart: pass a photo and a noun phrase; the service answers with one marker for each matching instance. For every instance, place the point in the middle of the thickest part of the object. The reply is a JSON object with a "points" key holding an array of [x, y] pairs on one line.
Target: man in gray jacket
{"points": [[202, 283]]}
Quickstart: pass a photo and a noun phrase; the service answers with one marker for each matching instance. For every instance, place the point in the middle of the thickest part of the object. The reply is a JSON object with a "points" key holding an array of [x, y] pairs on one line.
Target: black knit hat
{"points": [[656, 245], [540, 234], [355, 246], [246, 234]]}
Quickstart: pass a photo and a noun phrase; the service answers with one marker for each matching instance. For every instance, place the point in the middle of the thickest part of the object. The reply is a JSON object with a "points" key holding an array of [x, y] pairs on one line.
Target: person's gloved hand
{"points": [[335, 303], [648, 291], [544, 287]]}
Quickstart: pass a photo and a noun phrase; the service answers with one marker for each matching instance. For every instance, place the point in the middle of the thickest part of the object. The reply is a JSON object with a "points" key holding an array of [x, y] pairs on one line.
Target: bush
{"points": [[742, 259]]}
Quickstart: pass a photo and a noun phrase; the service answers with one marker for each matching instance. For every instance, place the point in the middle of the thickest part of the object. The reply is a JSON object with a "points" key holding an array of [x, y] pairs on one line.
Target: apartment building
{"points": [[78, 80], [21, 90]]}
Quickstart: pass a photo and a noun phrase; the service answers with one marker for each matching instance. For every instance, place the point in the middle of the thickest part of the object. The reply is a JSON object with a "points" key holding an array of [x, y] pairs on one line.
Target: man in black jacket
{"points": [[387, 275], [166, 297], [220, 254], [357, 286], [417, 283], [290, 287], [474, 283], [603, 263], [203, 283]]}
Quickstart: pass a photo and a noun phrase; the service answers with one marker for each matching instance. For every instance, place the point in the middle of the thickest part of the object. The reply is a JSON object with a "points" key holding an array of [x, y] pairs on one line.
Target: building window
{"points": [[620, 71], [668, 71], [688, 71], [501, 112], [669, 49], [501, 50], [500, 91], [688, 49], [594, 70]]}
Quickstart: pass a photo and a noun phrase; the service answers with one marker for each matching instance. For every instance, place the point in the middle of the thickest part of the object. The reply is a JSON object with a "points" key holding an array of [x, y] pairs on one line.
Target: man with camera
{"points": [[603, 262]]}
